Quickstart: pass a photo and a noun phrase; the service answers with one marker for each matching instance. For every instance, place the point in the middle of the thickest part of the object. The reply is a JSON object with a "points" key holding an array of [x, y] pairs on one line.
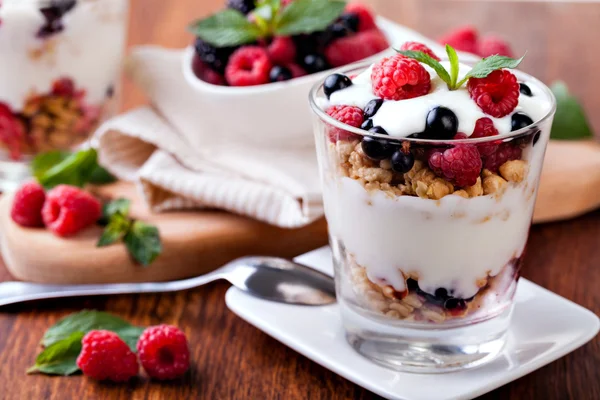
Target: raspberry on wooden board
{"points": [[105, 356]]}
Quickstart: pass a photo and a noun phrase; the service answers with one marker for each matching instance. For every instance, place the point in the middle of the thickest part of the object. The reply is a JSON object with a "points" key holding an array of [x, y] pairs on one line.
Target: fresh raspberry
{"points": [[297, 71], [27, 205], [12, 134], [282, 50], [491, 45], [164, 352], [349, 115], [63, 87], [416, 46], [205, 73], [460, 135], [105, 356], [68, 210], [505, 152], [497, 94], [484, 127], [366, 17], [460, 165], [350, 49], [398, 77], [248, 66], [463, 39]]}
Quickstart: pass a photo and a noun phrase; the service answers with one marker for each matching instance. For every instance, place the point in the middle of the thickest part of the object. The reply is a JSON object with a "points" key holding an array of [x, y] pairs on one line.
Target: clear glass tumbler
{"points": [[59, 72], [425, 271]]}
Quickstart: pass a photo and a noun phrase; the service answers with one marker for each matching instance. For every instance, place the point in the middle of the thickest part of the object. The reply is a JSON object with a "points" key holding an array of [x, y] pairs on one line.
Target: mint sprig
{"points": [[480, 70], [141, 240], [62, 341], [570, 121], [232, 28]]}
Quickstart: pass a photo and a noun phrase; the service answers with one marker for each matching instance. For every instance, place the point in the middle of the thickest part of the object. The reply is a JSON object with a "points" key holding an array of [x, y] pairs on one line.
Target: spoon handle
{"points": [[15, 292]]}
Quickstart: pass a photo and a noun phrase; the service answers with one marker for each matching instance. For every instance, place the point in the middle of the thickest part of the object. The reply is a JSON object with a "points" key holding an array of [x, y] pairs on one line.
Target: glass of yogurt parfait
{"points": [[430, 172], [59, 70]]}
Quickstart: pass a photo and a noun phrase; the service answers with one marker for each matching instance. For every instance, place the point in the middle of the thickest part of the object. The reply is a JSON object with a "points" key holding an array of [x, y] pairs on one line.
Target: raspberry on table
{"points": [[27, 205], [68, 210], [504, 152], [398, 77], [353, 48], [484, 127], [464, 38], [248, 66], [491, 45], [282, 50], [348, 115], [366, 17], [163, 352], [105, 356], [416, 46], [497, 94], [460, 165]]}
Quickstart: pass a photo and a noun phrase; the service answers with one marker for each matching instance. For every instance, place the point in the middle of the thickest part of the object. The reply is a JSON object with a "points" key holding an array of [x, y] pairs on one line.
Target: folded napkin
{"points": [[150, 147]]}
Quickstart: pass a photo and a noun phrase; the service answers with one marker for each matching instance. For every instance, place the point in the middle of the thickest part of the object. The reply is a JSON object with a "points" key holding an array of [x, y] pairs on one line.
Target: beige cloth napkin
{"points": [[147, 146]]}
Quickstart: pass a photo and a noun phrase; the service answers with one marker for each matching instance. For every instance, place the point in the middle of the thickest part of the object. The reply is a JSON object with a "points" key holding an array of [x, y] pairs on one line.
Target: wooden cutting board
{"points": [[196, 242]]}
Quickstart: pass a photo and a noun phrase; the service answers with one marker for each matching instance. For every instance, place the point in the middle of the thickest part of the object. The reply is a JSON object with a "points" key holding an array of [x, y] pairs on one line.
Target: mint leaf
{"points": [[120, 205], [44, 161], [52, 169], [488, 65], [226, 28], [428, 60], [454, 65], [60, 357], [307, 16], [115, 230], [570, 121], [100, 176], [87, 320], [143, 242]]}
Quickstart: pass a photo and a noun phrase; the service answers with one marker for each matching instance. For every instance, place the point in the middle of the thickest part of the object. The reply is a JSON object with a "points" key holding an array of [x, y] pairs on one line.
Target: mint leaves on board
{"points": [[232, 28], [141, 239], [570, 121], [480, 70], [62, 341], [76, 169]]}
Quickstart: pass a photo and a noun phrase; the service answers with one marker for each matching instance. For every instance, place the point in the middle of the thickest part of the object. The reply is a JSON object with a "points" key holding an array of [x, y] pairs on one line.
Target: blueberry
{"points": [[524, 89], [314, 63], [402, 162], [441, 123], [335, 82], [338, 30], [520, 120], [243, 6], [367, 124], [536, 137], [215, 58], [411, 284], [441, 293], [377, 149], [454, 304], [379, 130], [350, 21], [372, 107], [53, 14], [280, 74]]}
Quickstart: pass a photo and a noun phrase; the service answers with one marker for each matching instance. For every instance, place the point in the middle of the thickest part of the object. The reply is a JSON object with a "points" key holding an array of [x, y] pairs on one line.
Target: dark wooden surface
{"points": [[233, 360]]}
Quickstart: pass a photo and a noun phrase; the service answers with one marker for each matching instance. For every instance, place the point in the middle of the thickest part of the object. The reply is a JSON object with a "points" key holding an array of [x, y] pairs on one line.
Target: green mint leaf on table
{"points": [[226, 28], [490, 64], [454, 65], [428, 60], [100, 176], [60, 357], [115, 230], [570, 121], [143, 242], [87, 320], [120, 206], [44, 161], [307, 16]]}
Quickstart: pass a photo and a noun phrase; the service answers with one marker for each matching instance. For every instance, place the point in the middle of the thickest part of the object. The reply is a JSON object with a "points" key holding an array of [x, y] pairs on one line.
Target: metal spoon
{"points": [[270, 278]]}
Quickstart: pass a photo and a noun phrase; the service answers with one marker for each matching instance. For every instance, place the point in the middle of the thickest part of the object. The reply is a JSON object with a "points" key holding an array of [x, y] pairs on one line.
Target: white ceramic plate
{"points": [[545, 327]]}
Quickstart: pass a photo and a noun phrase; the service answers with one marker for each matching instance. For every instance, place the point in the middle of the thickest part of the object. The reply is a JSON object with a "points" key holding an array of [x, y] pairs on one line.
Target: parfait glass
{"points": [[59, 76], [426, 272]]}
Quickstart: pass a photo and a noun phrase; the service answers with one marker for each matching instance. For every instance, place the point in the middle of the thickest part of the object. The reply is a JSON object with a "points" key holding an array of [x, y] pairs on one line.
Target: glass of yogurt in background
{"points": [[59, 70], [427, 261]]}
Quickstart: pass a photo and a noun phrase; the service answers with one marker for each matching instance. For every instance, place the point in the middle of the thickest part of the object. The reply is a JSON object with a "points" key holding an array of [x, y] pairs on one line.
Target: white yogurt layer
{"points": [[404, 117], [449, 243], [89, 50]]}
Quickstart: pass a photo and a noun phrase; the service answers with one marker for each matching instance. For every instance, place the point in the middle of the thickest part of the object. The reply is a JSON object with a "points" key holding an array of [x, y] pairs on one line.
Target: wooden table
{"points": [[233, 360]]}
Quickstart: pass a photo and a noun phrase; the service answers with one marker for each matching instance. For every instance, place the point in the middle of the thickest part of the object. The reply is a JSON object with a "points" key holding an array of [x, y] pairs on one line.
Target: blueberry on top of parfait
{"points": [[519, 120], [335, 82], [441, 123], [372, 107], [524, 89]]}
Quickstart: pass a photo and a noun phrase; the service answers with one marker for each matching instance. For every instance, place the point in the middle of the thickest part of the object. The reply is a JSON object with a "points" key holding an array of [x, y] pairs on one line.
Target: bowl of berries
{"points": [[261, 59]]}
